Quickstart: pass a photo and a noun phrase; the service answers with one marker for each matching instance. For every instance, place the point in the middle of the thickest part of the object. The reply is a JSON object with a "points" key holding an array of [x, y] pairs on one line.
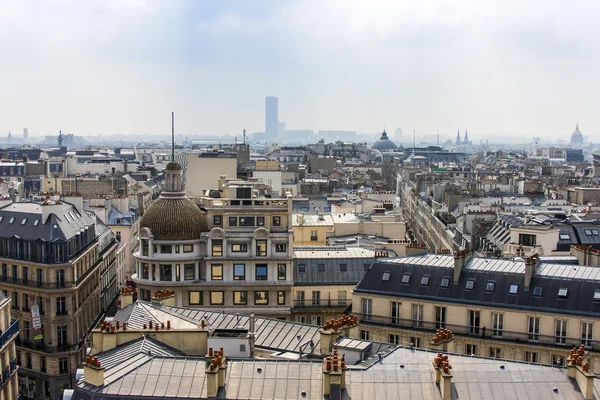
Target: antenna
{"points": [[172, 136]]}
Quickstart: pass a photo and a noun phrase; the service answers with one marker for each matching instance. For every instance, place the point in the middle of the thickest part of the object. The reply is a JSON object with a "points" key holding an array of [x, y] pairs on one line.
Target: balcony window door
{"points": [[367, 308], [533, 329], [417, 315], [474, 322], [395, 307], [440, 317], [497, 324]]}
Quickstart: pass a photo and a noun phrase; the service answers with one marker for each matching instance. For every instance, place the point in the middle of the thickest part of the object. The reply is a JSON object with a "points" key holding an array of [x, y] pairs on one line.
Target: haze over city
{"points": [[114, 67]]}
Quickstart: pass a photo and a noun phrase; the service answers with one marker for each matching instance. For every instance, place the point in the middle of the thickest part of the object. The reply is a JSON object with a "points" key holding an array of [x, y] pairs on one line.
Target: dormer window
{"points": [[514, 289], [11, 221], [385, 277], [562, 292], [490, 286], [425, 280], [406, 278], [470, 284]]}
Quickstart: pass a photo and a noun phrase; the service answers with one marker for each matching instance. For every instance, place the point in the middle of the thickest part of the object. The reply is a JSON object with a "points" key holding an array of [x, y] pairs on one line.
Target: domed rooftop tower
{"points": [[384, 143], [577, 137]]}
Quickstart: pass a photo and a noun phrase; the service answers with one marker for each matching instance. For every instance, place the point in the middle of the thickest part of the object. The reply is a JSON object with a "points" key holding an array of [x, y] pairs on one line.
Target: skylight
{"points": [[37, 221], [537, 291], [470, 284], [562, 292], [1, 218], [490, 286], [24, 221], [386, 276], [597, 294], [565, 236], [514, 289], [595, 232], [406, 278], [445, 282], [11, 221], [55, 226], [425, 280], [588, 232]]}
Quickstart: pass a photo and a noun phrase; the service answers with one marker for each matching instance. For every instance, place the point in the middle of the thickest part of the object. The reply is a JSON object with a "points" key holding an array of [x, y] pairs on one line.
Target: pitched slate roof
{"points": [[580, 282], [331, 265]]}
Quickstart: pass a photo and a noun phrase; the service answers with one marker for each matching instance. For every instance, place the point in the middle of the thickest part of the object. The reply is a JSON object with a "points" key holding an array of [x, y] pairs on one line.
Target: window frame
{"points": [[243, 302], [212, 272], [236, 276], [200, 297], [263, 302], [217, 292], [266, 274]]}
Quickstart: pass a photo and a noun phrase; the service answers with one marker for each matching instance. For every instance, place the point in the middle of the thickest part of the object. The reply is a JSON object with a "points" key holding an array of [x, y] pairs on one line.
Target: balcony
{"points": [[323, 303], [480, 332], [40, 346], [37, 284], [12, 330]]}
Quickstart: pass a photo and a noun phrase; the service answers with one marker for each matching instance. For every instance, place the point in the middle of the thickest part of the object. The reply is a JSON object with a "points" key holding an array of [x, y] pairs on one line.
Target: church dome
{"points": [[384, 143], [174, 218], [577, 137]]}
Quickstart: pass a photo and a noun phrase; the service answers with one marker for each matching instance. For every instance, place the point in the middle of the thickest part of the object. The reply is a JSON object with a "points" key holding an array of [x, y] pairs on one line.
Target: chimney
{"points": [[93, 372], [444, 340], [216, 373], [321, 216], [443, 376], [252, 334], [164, 297], [334, 375], [459, 258], [333, 329], [126, 297], [530, 267], [580, 371]]}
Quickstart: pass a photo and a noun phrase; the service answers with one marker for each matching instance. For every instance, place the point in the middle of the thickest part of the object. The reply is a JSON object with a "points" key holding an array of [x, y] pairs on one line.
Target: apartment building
{"points": [[323, 281], [535, 310], [233, 252], [50, 260], [9, 330]]}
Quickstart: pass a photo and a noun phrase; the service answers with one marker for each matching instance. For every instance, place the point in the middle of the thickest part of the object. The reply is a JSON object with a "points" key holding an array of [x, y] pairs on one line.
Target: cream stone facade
{"points": [[9, 328]]}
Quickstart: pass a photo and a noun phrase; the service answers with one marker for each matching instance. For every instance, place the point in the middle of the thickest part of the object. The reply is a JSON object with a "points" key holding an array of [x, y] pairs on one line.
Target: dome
{"points": [[173, 166], [577, 137], [384, 143], [174, 218]]}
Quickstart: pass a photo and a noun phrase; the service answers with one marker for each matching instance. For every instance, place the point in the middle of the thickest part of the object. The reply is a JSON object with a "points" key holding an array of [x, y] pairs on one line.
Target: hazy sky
{"points": [[110, 66]]}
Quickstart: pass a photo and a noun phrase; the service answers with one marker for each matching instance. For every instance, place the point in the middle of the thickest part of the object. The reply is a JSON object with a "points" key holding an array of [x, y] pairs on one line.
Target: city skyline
{"points": [[95, 68]]}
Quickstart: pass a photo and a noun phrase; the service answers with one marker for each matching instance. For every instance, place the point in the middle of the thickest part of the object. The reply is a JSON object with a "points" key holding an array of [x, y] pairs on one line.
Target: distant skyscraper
{"points": [[25, 133], [271, 118]]}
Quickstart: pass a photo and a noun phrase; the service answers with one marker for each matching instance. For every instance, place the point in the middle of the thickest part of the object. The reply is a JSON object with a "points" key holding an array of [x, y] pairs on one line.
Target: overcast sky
{"points": [[504, 67]]}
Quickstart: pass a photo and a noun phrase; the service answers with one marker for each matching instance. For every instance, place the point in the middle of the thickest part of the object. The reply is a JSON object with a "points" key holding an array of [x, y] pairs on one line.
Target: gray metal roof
{"points": [[331, 266]]}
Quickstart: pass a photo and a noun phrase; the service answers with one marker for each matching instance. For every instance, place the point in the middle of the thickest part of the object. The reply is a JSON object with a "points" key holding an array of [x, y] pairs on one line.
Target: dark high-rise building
{"points": [[271, 118]]}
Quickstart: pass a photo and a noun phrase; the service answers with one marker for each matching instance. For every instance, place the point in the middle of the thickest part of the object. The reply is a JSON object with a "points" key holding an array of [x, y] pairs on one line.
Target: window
{"points": [[534, 329], [342, 297], [394, 339], [537, 291], [526, 240], [440, 317], [188, 248], [281, 272], [217, 220], [385, 277], [246, 221], [316, 297], [343, 267], [470, 284], [300, 298], [25, 275], [239, 272], [530, 356], [597, 295], [61, 335], [276, 220], [260, 221], [261, 297], [15, 272], [587, 330], [240, 298], [314, 236], [395, 307], [24, 221], [490, 286], [217, 248], [588, 232], [514, 289], [471, 349], [61, 306], [562, 292], [63, 365], [560, 329], [195, 298], [367, 308], [497, 324], [301, 319], [189, 272], [166, 272], [281, 298], [216, 272], [60, 278], [301, 267], [281, 247], [495, 352], [232, 221], [317, 320], [425, 280], [365, 335], [417, 315], [11, 221], [415, 341], [321, 267], [564, 236], [217, 298], [474, 322], [43, 364], [239, 247], [261, 272], [445, 282], [166, 248], [595, 232], [406, 278], [261, 248]]}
